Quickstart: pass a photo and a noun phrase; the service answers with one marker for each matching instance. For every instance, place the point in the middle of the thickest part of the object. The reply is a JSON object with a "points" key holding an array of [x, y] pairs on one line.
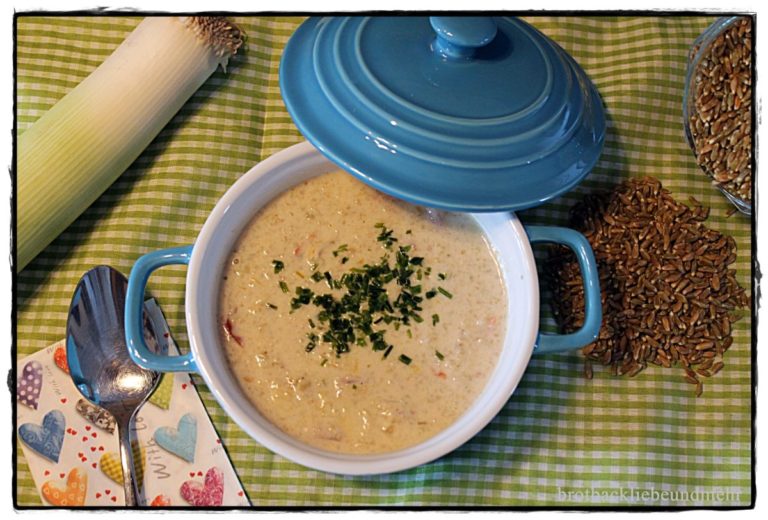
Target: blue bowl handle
{"points": [[593, 310], [134, 304]]}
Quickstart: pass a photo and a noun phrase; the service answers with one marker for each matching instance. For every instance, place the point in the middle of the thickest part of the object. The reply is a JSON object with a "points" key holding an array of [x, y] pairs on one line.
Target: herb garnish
{"points": [[278, 265], [303, 297], [312, 342], [385, 235], [359, 310]]}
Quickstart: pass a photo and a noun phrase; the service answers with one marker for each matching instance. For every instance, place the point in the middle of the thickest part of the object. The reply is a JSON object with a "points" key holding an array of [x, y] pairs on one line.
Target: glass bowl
{"points": [[717, 107]]}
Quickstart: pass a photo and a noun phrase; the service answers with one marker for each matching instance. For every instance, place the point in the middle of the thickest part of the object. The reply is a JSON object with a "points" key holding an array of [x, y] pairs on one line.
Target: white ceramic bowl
{"points": [[206, 261]]}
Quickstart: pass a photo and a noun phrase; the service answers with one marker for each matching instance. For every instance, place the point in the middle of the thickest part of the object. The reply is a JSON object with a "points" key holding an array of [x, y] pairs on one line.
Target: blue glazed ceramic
{"points": [[134, 305], [267, 180], [472, 114]]}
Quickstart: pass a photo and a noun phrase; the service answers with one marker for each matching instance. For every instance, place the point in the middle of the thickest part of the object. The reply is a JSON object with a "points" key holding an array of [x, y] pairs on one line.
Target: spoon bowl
{"points": [[98, 359]]}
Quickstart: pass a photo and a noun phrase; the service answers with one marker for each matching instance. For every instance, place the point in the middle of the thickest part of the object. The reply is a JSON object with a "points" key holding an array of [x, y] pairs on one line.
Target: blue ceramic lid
{"points": [[460, 113]]}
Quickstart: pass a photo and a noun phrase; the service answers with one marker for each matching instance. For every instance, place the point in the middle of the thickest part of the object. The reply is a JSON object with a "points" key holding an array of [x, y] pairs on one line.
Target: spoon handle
{"points": [[126, 459]]}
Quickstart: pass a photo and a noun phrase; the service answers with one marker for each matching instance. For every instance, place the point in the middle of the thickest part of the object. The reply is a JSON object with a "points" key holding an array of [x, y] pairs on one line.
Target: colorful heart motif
{"points": [[45, 439], [180, 440], [161, 397], [60, 358], [29, 385], [210, 493], [160, 501], [73, 494], [110, 464], [96, 415]]}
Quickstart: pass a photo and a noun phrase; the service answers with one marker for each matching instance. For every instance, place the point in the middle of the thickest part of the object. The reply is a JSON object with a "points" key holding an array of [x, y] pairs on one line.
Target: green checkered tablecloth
{"points": [[562, 440]]}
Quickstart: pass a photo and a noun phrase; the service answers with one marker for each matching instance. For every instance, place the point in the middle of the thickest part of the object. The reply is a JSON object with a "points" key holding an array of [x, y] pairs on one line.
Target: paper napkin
{"points": [[72, 447]]}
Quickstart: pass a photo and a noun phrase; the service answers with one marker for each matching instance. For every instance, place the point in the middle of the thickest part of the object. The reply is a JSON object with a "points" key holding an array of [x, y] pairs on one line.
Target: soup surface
{"points": [[359, 323]]}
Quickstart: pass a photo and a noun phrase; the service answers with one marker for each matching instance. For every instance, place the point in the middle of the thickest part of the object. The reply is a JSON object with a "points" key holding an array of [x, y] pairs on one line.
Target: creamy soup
{"points": [[359, 323]]}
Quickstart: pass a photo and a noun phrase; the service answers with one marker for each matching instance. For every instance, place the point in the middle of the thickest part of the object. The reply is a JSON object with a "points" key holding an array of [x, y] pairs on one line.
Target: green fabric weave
{"points": [[561, 440]]}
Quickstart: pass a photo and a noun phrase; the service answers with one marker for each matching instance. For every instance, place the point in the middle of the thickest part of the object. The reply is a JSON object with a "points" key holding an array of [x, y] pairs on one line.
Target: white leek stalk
{"points": [[72, 154]]}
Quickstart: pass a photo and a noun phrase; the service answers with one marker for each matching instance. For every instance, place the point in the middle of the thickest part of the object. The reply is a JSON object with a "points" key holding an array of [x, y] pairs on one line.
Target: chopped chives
{"points": [[340, 249], [363, 312], [278, 265], [385, 236], [439, 355]]}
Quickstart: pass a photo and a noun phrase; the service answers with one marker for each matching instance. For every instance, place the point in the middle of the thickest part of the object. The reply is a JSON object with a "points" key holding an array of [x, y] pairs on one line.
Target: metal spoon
{"points": [[98, 359]]}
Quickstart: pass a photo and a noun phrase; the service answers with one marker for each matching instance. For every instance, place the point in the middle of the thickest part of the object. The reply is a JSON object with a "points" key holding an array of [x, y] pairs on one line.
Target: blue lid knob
{"points": [[459, 36]]}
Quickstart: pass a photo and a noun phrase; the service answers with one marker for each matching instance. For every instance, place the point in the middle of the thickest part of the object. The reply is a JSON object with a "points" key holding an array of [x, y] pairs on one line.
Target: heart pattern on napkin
{"points": [[77, 434], [30, 384], [181, 440], [60, 358], [47, 438], [111, 465], [96, 415], [210, 493], [161, 397], [160, 501], [72, 494]]}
